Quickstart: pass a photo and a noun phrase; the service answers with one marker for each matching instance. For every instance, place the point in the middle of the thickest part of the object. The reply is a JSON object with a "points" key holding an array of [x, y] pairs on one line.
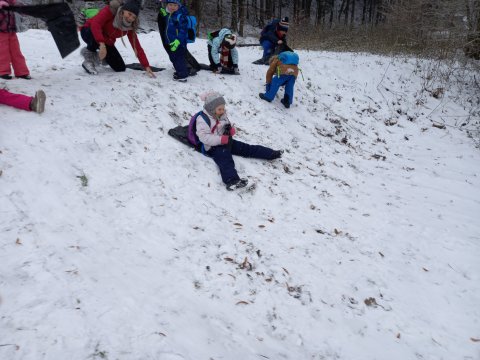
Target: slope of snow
{"points": [[117, 242]]}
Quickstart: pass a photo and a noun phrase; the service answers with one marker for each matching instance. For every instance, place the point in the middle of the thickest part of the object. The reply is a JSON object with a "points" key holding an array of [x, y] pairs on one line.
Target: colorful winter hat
{"points": [[230, 41], [283, 24], [133, 6], [212, 100]]}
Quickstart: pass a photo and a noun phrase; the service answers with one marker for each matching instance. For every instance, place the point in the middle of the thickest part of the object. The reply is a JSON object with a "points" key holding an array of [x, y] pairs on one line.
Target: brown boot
{"points": [[38, 102]]}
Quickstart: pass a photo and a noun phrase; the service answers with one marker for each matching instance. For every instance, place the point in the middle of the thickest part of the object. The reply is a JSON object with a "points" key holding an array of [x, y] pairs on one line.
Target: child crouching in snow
{"points": [[24, 102], [283, 71], [218, 143]]}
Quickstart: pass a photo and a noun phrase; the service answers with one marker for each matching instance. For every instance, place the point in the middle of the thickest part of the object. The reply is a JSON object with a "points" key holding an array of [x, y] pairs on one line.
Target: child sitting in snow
{"points": [[218, 143], [222, 53], [24, 102], [283, 71]]}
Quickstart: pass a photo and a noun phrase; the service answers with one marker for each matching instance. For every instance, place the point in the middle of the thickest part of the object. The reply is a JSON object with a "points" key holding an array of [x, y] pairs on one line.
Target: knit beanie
{"points": [[212, 100], [178, 2], [283, 24], [133, 6], [230, 41]]}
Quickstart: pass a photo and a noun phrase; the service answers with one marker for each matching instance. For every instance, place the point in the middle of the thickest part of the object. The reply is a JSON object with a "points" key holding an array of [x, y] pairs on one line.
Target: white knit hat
{"points": [[230, 40], [212, 100]]}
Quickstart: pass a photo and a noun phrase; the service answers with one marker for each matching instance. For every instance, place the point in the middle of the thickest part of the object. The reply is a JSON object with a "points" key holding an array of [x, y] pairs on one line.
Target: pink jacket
{"points": [[7, 18]]}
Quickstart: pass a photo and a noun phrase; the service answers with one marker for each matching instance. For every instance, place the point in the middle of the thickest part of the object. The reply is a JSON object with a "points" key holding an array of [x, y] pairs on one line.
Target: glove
{"points": [[174, 45], [224, 139], [267, 87], [232, 131], [4, 4], [163, 12]]}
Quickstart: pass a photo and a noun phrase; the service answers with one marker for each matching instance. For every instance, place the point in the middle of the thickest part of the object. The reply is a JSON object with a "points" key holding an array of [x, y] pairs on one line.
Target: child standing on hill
{"points": [[10, 53], [283, 71], [173, 26], [217, 141]]}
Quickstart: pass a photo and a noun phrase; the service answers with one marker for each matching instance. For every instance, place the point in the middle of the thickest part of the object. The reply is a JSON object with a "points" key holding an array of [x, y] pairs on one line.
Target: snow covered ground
{"points": [[117, 242]]}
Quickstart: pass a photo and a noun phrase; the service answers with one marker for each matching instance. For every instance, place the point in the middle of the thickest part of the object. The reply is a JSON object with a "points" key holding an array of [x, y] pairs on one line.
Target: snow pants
{"points": [[268, 49], [18, 101], [222, 156], [179, 62], [283, 80], [11, 55], [113, 58]]}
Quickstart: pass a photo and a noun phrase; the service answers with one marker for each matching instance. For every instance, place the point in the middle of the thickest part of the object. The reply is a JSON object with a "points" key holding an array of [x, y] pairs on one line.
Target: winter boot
{"points": [[276, 154], [38, 102], [262, 96], [237, 184], [286, 101], [6, 77], [177, 78], [90, 61]]}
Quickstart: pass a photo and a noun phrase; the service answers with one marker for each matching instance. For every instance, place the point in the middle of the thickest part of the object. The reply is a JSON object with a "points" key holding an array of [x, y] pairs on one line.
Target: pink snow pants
{"points": [[10, 53], [18, 101]]}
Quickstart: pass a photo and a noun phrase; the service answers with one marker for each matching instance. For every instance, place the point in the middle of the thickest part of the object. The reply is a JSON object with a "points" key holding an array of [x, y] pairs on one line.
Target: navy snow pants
{"points": [[113, 58], [179, 63], [223, 157]]}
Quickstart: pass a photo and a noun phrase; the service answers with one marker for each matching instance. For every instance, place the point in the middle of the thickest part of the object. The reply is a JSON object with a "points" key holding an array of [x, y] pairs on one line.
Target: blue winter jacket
{"points": [[216, 44], [177, 25]]}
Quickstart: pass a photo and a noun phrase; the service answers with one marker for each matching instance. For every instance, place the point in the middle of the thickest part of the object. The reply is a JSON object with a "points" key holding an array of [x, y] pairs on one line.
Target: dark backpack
{"points": [[192, 130], [213, 34]]}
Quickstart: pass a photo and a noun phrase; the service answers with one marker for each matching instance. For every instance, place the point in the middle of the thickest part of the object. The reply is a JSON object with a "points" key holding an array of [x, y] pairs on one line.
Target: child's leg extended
{"points": [[251, 151], [274, 86], [223, 158], [18, 101]]}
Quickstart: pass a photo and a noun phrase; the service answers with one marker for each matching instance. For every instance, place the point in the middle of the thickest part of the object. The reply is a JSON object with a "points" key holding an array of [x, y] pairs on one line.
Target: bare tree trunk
{"points": [[262, 13], [268, 9], [352, 15], [241, 15], [234, 23], [332, 8], [197, 10]]}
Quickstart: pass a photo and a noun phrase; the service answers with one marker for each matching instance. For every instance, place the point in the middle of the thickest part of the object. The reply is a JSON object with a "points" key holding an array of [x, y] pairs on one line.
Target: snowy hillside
{"points": [[117, 242]]}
